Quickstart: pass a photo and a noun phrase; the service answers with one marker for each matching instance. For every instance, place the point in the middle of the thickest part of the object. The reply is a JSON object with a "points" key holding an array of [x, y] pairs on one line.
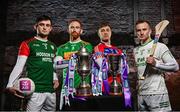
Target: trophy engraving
{"points": [[84, 69], [114, 62]]}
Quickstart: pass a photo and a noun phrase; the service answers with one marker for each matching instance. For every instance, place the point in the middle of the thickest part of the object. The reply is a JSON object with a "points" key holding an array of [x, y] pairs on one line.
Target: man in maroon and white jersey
{"points": [[37, 54]]}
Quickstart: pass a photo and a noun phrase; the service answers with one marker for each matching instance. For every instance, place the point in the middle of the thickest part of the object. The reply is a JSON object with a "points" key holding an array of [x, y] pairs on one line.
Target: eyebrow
{"points": [[141, 29]]}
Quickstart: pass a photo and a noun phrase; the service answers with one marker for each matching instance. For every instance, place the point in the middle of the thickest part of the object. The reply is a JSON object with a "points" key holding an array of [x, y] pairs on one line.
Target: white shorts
{"points": [[42, 102], [155, 102]]}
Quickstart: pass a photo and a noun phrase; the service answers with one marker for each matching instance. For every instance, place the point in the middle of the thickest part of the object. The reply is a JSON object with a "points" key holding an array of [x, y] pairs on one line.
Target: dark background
{"points": [[18, 17]]}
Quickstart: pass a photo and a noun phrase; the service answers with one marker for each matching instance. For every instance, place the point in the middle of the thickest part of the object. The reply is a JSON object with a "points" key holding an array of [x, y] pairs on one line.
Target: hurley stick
{"points": [[158, 30]]}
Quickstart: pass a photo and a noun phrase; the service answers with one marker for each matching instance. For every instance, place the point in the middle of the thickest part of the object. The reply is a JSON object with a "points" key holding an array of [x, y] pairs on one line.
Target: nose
{"points": [[141, 32], [44, 27], [74, 29]]}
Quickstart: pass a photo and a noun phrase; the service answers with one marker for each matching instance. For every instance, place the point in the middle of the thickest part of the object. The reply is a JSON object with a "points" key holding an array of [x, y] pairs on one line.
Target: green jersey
{"points": [[66, 50], [39, 65]]}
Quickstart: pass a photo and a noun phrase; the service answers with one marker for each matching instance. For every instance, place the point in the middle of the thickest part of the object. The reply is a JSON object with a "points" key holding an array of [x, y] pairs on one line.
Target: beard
{"points": [[75, 35]]}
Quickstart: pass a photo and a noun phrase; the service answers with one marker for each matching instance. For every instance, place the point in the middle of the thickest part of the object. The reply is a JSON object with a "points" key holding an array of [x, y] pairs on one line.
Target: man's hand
{"points": [[151, 60], [15, 92], [56, 84]]}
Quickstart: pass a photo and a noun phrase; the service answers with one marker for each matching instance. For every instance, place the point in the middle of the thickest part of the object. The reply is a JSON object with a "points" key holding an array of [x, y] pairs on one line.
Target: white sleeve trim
{"points": [[17, 70], [55, 77], [172, 66], [168, 63]]}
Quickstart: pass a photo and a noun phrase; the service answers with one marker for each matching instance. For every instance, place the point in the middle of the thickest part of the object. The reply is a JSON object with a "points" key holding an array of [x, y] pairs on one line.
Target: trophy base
{"points": [[84, 91], [115, 91], [115, 94]]}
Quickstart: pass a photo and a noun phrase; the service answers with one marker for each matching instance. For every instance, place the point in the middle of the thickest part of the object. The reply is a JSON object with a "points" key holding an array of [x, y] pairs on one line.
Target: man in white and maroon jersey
{"points": [[37, 54]]}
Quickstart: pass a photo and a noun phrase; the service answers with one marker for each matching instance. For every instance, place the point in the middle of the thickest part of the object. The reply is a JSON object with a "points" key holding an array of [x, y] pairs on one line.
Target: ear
{"points": [[150, 32], [68, 30], [81, 31], [35, 26], [51, 28], [98, 32]]}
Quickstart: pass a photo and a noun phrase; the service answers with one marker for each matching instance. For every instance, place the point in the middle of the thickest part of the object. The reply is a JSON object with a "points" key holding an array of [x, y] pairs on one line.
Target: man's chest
{"points": [[42, 50]]}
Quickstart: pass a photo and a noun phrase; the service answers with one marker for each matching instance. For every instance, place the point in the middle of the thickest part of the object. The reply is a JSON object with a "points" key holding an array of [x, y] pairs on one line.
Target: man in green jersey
{"points": [[65, 51], [37, 54]]}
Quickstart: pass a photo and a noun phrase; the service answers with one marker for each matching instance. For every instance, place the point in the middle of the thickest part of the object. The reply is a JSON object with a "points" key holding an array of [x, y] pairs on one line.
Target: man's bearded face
{"points": [[75, 34], [75, 30]]}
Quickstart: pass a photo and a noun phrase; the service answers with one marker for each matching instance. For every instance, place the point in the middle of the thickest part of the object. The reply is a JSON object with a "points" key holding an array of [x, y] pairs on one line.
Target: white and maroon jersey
{"points": [[154, 82]]}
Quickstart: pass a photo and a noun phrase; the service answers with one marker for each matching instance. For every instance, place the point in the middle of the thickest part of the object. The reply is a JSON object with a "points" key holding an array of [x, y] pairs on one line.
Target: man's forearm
{"points": [[168, 63], [17, 70]]}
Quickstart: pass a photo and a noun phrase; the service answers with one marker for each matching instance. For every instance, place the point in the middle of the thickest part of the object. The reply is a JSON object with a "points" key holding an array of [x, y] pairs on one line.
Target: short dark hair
{"points": [[143, 21], [77, 20], [43, 17], [103, 24]]}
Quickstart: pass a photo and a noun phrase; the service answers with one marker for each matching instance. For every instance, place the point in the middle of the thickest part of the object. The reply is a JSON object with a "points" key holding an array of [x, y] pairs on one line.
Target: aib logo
{"points": [[25, 85]]}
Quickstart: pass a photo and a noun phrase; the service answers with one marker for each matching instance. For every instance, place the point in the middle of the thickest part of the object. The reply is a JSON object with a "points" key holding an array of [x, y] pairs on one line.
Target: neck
{"points": [[43, 37], [75, 40], [146, 40], [108, 43]]}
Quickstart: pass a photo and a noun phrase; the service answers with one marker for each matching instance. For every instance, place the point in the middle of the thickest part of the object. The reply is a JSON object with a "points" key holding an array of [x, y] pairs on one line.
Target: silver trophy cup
{"points": [[84, 69], [114, 62]]}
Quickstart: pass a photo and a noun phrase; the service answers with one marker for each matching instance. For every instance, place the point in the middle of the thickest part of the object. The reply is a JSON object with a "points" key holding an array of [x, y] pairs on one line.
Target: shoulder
{"points": [[32, 39], [100, 45], [52, 43], [64, 45], [27, 43], [162, 46], [96, 48], [86, 43]]}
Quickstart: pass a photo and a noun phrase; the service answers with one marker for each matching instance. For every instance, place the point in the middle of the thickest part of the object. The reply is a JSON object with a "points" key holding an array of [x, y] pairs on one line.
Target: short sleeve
{"points": [[59, 52], [89, 48], [24, 49]]}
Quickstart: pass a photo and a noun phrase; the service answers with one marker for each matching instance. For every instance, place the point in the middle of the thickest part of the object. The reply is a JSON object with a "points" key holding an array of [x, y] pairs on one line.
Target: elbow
{"points": [[177, 67]]}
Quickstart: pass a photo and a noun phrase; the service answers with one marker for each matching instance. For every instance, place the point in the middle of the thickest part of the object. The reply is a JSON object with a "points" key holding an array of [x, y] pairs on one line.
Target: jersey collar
{"points": [[44, 40], [75, 41]]}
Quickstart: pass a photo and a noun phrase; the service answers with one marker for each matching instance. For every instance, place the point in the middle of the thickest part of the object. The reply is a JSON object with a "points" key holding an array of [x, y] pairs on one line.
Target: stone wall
{"points": [[18, 18], [120, 13]]}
